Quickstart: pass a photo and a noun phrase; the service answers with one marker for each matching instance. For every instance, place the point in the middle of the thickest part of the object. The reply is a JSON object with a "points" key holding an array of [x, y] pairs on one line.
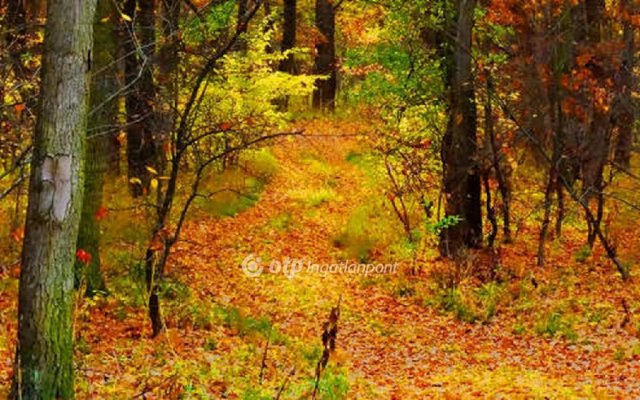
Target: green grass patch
{"points": [[471, 305], [313, 197], [555, 324], [282, 222]]}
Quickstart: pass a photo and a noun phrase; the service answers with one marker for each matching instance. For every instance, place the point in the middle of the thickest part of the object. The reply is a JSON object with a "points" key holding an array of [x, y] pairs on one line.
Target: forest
{"points": [[319, 199]]}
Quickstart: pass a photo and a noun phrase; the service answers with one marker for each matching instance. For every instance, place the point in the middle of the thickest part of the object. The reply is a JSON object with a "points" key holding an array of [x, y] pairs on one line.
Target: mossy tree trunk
{"points": [[104, 114], [44, 356]]}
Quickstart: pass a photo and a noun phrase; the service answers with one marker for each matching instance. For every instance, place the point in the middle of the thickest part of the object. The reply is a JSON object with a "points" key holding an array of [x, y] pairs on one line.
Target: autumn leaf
{"points": [[101, 213], [18, 235], [83, 256]]}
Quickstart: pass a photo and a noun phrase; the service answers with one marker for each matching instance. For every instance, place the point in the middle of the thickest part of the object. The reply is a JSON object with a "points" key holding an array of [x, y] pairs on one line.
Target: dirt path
{"points": [[392, 347]]}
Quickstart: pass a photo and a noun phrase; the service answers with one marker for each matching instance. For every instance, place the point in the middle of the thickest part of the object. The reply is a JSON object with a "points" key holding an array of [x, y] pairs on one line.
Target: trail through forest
{"points": [[394, 340], [391, 346]]}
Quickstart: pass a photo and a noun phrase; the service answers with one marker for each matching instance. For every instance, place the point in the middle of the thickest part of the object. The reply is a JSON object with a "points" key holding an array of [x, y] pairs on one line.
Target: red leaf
{"points": [[18, 235], [83, 256], [101, 213]]}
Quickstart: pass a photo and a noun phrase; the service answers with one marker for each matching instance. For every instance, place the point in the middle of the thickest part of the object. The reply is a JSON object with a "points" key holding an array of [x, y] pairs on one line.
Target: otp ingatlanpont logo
{"points": [[252, 266]]}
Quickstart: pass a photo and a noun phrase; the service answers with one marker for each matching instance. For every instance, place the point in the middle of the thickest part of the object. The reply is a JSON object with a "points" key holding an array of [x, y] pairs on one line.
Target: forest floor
{"points": [[562, 339]]}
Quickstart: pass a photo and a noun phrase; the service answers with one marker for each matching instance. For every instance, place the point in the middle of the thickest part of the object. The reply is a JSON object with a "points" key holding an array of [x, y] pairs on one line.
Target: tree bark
{"points": [[324, 96], [462, 183], [44, 356], [624, 115], [289, 36], [288, 64], [598, 139], [502, 176], [100, 150], [140, 100], [168, 77]]}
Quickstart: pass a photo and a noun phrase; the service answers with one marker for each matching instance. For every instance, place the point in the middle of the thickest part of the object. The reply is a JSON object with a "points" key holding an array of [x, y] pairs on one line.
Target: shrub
{"points": [[261, 163], [583, 254], [490, 295], [554, 324], [452, 300]]}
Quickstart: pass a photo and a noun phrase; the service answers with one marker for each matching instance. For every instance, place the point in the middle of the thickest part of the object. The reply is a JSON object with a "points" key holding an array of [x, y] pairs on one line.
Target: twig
{"points": [[12, 187], [329, 335], [263, 366], [284, 384]]}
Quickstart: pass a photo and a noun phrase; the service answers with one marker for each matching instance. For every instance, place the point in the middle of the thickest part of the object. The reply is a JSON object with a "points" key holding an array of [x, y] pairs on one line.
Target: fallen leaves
{"points": [[388, 346]]}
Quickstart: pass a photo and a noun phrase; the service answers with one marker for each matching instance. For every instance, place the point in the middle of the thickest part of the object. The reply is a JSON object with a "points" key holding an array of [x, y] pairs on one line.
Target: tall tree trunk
{"points": [[324, 96], [502, 176], [559, 171], [553, 177], [288, 64], [289, 36], [462, 185], [170, 62], [598, 142], [44, 356], [106, 54], [141, 97], [168, 77], [624, 114], [100, 129]]}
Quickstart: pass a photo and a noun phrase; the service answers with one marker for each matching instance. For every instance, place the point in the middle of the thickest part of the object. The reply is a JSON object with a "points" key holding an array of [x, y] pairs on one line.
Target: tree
{"points": [[459, 148], [624, 114], [100, 135], [167, 77], [325, 63], [44, 366], [597, 139], [142, 144], [289, 36]]}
